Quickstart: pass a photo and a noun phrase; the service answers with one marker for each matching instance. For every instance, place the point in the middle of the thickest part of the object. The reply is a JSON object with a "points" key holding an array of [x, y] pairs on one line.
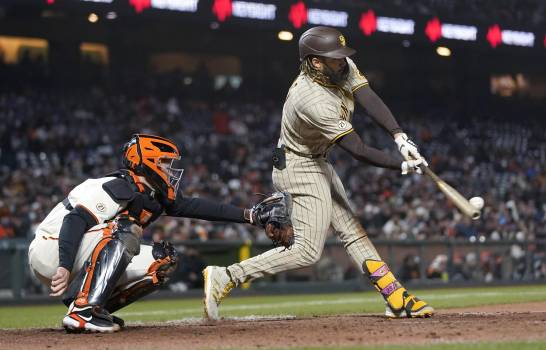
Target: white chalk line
{"points": [[200, 320], [187, 321]]}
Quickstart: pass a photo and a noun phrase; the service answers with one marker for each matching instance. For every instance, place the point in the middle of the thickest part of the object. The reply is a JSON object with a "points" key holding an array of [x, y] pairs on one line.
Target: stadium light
{"points": [[285, 35], [443, 51], [93, 18]]}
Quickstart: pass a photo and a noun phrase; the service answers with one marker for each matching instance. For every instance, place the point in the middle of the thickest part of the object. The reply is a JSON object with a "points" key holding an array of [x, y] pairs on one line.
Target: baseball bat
{"points": [[460, 202]]}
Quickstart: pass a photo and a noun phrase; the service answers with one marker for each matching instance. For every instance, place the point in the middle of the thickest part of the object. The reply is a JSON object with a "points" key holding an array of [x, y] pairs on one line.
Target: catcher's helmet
{"points": [[152, 157], [325, 42]]}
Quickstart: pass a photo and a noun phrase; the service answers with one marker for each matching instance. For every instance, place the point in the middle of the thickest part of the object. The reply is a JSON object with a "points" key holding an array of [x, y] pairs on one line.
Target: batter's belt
{"points": [[312, 156]]}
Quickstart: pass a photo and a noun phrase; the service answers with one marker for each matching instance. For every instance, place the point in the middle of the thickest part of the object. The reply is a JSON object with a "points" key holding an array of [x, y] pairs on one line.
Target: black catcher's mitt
{"points": [[273, 214]]}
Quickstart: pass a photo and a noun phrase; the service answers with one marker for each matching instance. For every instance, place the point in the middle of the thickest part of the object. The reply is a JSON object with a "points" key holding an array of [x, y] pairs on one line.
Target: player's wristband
{"points": [[248, 216], [395, 131]]}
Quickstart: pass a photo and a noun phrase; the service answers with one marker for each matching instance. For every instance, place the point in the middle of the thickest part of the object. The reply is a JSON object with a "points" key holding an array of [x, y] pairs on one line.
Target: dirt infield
{"points": [[488, 323]]}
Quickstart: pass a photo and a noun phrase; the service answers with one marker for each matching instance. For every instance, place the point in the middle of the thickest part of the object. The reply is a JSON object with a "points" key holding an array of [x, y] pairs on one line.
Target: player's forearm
{"points": [[375, 107], [204, 209], [74, 226], [352, 143]]}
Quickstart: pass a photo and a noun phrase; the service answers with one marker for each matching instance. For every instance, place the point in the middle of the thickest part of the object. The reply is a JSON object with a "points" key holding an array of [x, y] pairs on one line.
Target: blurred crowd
{"points": [[51, 141], [52, 138]]}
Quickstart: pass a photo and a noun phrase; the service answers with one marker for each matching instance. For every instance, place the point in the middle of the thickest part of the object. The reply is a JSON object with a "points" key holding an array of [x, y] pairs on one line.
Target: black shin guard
{"points": [[166, 259], [109, 260]]}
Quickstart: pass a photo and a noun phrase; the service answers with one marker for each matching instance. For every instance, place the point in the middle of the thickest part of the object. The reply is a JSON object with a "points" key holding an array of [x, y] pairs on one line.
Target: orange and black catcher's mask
{"points": [[153, 157]]}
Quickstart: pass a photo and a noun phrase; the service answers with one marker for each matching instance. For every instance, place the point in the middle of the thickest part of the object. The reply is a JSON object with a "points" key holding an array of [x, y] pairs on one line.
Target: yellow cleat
{"points": [[413, 308], [217, 286], [399, 302]]}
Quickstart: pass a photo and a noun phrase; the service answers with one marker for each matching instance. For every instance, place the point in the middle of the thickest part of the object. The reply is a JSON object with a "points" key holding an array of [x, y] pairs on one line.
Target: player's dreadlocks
{"points": [[327, 76], [307, 68]]}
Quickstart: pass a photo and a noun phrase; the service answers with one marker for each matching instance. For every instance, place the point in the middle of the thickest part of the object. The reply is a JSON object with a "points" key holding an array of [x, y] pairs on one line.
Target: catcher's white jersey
{"points": [[44, 249], [314, 117], [89, 195]]}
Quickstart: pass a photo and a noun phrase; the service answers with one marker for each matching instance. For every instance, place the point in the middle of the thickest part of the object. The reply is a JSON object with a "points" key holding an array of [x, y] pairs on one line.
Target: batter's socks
{"points": [[399, 301]]}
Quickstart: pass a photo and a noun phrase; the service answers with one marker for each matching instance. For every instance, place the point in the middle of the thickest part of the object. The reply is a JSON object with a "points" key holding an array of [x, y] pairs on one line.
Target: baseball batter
{"points": [[88, 247], [316, 116]]}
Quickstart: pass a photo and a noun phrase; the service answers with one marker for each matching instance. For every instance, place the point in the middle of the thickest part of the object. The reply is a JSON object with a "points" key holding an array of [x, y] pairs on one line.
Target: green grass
{"points": [[296, 305], [454, 346]]}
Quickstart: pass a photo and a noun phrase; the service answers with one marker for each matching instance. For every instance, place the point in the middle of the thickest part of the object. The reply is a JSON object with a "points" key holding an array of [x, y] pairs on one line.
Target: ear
{"points": [[316, 63]]}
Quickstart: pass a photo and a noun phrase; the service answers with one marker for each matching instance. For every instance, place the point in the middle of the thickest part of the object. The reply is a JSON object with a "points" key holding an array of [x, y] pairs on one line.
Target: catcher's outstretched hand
{"points": [[273, 214]]}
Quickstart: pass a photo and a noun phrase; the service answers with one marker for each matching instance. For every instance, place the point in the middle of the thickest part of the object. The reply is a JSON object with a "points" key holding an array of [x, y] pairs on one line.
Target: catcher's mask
{"points": [[153, 157]]}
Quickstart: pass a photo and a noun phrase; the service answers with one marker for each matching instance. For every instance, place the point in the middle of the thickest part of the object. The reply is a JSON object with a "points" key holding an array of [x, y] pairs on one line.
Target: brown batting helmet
{"points": [[325, 42]]}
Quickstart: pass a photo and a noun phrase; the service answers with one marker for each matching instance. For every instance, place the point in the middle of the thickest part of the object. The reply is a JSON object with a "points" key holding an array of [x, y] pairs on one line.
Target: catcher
{"points": [[88, 247]]}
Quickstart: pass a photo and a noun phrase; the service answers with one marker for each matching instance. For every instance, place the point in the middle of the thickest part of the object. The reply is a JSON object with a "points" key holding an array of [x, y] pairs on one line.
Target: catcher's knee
{"points": [[166, 261], [129, 233]]}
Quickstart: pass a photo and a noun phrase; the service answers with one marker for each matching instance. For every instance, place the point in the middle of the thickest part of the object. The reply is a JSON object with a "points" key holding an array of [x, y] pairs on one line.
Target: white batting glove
{"points": [[412, 166], [408, 148]]}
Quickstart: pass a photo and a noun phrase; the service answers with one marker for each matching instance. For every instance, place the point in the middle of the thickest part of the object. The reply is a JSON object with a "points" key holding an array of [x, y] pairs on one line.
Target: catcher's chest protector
{"points": [[141, 203]]}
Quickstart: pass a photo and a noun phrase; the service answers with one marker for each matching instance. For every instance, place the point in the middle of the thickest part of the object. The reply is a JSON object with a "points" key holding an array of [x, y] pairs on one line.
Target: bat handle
{"points": [[426, 170]]}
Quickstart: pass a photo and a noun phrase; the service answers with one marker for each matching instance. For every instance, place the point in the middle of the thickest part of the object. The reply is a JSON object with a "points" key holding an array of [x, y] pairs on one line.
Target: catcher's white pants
{"points": [[319, 201], [43, 257]]}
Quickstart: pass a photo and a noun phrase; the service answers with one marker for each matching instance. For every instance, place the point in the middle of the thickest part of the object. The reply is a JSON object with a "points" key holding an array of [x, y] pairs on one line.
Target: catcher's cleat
{"points": [[413, 308], [119, 321], [89, 318], [399, 302], [218, 284]]}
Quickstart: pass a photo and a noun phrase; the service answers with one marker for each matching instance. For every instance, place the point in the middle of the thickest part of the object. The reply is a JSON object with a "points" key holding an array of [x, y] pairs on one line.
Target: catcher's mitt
{"points": [[273, 214]]}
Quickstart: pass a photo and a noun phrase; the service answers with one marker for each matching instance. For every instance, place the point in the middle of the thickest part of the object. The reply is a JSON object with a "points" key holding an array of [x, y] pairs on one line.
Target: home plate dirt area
{"points": [[513, 322]]}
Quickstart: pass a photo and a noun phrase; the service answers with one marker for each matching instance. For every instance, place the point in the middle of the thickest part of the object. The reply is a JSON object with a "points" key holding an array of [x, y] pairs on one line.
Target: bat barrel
{"points": [[460, 202]]}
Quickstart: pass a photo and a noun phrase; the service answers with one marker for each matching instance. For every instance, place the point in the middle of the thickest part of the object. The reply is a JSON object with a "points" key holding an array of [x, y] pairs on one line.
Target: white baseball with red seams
{"points": [[477, 202]]}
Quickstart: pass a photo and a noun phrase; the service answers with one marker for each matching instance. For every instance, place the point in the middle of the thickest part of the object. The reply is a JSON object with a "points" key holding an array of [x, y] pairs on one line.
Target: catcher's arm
{"points": [[273, 214]]}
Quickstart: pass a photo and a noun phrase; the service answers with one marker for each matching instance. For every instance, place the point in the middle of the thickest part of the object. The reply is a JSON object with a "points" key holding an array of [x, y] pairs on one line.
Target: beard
{"points": [[336, 78]]}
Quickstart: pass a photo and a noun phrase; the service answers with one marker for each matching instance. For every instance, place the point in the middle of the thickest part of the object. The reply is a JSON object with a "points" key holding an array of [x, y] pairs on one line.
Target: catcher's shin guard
{"points": [[400, 303], [166, 260], [107, 263]]}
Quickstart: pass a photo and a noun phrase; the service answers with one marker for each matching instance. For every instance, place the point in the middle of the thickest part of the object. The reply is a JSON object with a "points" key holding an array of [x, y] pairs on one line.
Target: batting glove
{"points": [[408, 148], [412, 166]]}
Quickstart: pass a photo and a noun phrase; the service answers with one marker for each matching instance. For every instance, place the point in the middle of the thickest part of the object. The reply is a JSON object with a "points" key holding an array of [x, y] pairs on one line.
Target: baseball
{"points": [[477, 202]]}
